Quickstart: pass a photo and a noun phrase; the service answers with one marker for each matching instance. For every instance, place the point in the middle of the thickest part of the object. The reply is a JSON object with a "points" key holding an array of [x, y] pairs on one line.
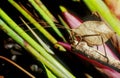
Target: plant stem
{"points": [[37, 25], [38, 38], [16, 65], [44, 8], [47, 19], [54, 66], [95, 54], [64, 24]]}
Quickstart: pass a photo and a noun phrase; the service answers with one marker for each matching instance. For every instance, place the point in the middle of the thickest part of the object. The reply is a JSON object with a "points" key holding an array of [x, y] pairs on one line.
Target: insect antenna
{"points": [[43, 23], [72, 35]]}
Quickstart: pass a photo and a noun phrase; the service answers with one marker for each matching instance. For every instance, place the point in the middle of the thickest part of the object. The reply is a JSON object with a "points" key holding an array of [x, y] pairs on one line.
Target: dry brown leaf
{"points": [[95, 54]]}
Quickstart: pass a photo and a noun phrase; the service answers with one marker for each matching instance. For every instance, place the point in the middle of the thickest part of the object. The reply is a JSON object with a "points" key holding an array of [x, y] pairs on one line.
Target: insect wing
{"points": [[93, 32]]}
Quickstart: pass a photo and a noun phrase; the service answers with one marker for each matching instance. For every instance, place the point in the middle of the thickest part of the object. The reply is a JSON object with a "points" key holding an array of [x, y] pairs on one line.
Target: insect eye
{"points": [[78, 38]]}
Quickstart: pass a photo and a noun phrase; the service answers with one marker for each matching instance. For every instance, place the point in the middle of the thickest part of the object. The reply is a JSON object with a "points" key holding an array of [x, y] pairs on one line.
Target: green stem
{"points": [[29, 48], [37, 25], [49, 73], [43, 7], [46, 18], [38, 38], [34, 44], [64, 24], [103, 10]]}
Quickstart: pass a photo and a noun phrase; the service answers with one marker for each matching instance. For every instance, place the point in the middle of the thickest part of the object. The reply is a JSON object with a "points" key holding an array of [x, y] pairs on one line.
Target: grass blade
{"points": [[47, 19], [44, 8], [34, 44], [38, 38], [37, 25]]}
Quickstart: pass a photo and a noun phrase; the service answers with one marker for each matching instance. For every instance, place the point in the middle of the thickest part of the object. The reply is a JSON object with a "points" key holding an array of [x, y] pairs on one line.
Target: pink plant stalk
{"points": [[71, 19]]}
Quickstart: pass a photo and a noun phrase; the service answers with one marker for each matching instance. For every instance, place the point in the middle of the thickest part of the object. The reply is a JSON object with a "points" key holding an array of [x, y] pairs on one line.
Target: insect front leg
{"points": [[76, 39]]}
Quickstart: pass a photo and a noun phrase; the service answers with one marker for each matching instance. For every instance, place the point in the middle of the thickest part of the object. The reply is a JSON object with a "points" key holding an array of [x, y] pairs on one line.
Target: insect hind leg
{"points": [[104, 55], [104, 49]]}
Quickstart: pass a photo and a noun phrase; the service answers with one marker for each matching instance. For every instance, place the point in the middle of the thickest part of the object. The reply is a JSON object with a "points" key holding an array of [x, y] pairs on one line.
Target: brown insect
{"points": [[94, 32]]}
